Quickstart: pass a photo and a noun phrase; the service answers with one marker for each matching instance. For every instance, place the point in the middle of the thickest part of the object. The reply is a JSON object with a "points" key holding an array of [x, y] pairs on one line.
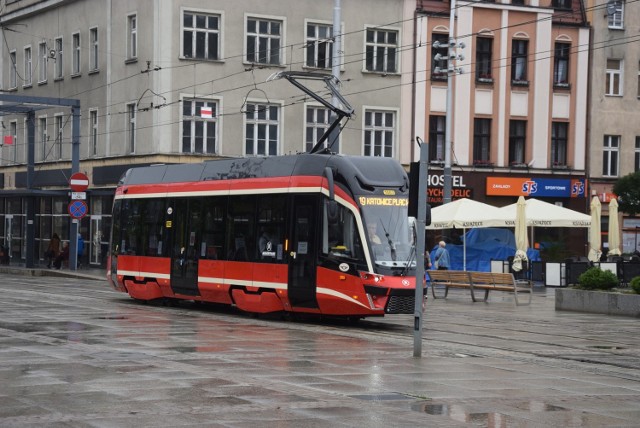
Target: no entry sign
{"points": [[79, 182], [78, 209]]}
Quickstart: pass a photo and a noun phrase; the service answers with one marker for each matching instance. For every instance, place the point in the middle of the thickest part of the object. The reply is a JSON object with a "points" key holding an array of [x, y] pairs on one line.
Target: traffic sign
{"points": [[79, 182], [78, 209]]}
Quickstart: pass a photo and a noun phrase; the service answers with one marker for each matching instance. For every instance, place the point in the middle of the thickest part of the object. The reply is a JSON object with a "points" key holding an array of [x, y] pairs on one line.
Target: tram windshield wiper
{"points": [[392, 246]]}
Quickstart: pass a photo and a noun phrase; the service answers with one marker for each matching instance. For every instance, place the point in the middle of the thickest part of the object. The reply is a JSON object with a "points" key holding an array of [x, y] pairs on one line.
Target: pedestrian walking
{"points": [[441, 257]]}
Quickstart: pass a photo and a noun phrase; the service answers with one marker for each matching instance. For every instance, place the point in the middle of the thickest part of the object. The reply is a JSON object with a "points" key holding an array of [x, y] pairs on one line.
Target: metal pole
{"points": [[446, 189], [75, 167], [31, 204], [335, 64], [420, 250]]}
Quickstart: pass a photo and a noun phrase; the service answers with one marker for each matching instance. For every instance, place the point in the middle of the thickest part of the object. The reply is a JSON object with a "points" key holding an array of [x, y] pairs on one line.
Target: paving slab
{"points": [[73, 352]]}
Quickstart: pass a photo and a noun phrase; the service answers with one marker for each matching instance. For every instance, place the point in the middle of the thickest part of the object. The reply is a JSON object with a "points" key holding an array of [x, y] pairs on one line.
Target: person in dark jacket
{"points": [[53, 249]]}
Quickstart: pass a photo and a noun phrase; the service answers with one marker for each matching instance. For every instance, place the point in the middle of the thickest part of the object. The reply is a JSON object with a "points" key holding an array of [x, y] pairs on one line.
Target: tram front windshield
{"points": [[388, 234]]}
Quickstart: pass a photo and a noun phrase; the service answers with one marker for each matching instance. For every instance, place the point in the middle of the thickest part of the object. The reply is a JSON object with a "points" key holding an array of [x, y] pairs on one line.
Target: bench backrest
{"points": [[456, 276], [493, 278]]}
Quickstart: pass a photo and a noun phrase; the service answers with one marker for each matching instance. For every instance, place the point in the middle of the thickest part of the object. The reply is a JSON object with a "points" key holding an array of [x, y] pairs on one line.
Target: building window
{"points": [[59, 64], [561, 64], [519, 60], [199, 126], [75, 40], [481, 141], [379, 130], [93, 55], [319, 46], [262, 127], [615, 14], [437, 135], [316, 124], [43, 56], [131, 128], [201, 36], [132, 36], [28, 68], [484, 47], [13, 78], [610, 157], [57, 148], [381, 49], [559, 136], [264, 40], [439, 45], [42, 128], [613, 84], [517, 2], [561, 4], [637, 155], [517, 142], [93, 132]]}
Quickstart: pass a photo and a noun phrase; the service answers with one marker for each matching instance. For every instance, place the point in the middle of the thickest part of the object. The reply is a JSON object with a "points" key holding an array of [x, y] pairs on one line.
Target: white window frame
{"points": [[13, 73], [611, 156], [385, 46], [43, 55], [317, 128], [59, 48], [269, 38], [42, 133], [59, 129], [194, 117], [255, 121], [614, 78], [28, 67], [76, 51], [194, 30], [93, 132], [93, 48], [373, 128], [132, 36], [616, 19], [313, 42], [130, 126]]}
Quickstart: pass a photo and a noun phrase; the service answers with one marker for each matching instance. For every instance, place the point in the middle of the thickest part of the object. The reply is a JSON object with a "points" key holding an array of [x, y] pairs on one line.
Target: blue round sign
{"points": [[78, 209]]}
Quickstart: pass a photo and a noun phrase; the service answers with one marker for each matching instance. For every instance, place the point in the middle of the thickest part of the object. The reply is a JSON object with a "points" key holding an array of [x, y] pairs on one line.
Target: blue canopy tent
{"points": [[482, 246]]}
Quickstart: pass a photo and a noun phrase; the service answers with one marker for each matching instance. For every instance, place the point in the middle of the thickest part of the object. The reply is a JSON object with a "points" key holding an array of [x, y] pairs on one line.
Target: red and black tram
{"points": [[316, 233]]}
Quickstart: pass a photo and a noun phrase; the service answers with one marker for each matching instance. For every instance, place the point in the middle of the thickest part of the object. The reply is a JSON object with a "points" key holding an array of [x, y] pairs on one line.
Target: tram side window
{"points": [[271, 209], [340, 235], [213, 246], [142, 227], [240, 228]]}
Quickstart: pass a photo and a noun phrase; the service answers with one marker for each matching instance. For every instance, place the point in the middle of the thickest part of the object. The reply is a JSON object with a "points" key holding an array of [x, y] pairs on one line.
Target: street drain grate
{"points": [[608, 347]]}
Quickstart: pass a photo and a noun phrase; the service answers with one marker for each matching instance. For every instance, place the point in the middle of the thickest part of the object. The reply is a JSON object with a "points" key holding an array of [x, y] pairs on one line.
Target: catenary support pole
{"points": [[420, 249]]}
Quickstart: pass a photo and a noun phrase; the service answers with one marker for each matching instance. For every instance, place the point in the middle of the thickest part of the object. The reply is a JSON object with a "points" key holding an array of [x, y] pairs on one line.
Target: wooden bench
{"points": [[474, 281]]}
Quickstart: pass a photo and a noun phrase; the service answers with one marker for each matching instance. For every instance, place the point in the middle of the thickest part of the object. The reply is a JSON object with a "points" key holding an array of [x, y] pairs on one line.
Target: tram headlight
{"points": [[366, 276]]}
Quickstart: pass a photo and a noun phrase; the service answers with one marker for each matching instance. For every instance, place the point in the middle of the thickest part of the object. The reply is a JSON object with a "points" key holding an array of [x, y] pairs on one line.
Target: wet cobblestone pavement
{"points": [[74, 353]]}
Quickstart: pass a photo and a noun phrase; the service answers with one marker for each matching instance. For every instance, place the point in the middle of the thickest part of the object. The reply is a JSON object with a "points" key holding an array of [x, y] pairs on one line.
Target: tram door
{"points": [[185, 232], [302, 252]]}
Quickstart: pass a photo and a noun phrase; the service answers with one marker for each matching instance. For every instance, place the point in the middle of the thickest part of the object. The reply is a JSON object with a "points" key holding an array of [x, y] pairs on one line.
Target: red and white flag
{"points": [[206, 112]]}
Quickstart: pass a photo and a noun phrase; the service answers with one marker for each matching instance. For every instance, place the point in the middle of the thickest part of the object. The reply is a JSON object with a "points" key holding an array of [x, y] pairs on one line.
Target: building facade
{"points": [[518, 102], [184, 81], [614, 102]]}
